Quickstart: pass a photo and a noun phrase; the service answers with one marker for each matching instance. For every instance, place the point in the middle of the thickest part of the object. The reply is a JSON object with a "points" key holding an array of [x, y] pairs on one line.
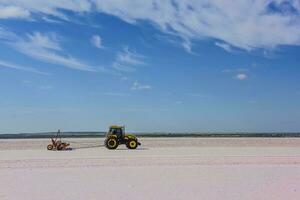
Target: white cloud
{"points": [[44, 47], [240, 73], [7, 35], [18, 67], [187, 45], [137, 86], [229, 21], [44, 41], [126, 60], [130, 57], [96, 40], [122, 67], [224, 46], [241, 76], [245, 24], [50, 7], [13, 12], [51, 20]]}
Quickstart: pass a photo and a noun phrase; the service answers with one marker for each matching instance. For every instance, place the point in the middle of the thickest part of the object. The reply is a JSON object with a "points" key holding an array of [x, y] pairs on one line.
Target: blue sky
{"points": [[151, 65]]}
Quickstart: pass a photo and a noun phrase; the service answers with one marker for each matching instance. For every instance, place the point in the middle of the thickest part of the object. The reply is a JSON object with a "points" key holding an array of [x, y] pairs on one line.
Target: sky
{"points": [[152, 65]]}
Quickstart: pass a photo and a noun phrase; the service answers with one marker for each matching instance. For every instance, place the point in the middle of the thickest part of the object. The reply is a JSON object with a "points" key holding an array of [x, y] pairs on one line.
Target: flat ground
{"points": [[162, 168]]}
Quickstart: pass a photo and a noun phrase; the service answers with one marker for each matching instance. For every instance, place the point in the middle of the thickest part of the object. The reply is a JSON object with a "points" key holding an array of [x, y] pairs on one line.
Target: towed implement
{"points": [[116, 135], [57, 144]]}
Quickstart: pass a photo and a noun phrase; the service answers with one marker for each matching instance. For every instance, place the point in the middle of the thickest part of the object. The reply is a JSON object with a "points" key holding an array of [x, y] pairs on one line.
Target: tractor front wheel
{"points": [[111, 143], [131, 144]]}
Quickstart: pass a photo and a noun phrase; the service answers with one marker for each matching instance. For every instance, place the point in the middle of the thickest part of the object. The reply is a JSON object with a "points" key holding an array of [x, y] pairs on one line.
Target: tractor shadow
{"points": [[138, 149]]}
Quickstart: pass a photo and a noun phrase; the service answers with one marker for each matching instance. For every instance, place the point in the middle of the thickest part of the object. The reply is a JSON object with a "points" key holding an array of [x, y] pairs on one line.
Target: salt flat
{"points": [[162, 168]]}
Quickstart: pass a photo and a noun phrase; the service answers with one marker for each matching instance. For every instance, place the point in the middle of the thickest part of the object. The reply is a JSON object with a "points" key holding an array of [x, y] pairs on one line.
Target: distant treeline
{"points": [[102, 134]]}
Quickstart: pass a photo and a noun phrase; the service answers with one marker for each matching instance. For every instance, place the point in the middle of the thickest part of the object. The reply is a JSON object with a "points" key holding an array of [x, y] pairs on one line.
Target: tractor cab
{"points": [[118, 131]]}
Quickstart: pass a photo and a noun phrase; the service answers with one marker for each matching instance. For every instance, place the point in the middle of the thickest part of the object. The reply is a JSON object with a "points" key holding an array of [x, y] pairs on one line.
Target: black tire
{"points": [[111, 143], [50, 147], [131, 144]]}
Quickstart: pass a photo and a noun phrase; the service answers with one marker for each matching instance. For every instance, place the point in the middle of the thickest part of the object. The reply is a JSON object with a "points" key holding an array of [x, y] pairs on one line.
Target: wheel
{"points": [[131, 144], [111, 143], [50, 147]]}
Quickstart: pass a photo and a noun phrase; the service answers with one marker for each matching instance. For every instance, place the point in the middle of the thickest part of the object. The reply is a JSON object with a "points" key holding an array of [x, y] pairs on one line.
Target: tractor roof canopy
{"points": [[116, 126]]}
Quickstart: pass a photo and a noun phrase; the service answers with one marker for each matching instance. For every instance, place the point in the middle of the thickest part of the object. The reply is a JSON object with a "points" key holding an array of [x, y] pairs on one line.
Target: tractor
{"points": [[116, 136]]}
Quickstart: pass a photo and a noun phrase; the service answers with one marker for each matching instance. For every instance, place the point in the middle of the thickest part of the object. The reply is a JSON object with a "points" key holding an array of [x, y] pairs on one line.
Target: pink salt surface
{"points": [[179, 168]]}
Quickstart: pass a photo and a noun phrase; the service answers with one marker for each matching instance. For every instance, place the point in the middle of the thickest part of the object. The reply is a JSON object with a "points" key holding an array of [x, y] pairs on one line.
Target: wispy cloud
{"points": [[122, 67], [130, 57], [137, 86], [44, 47], [262, 27], [224, 46], [49, 41], [49, 7], [7, 35], [51, 20], [266, 25], [18, 67], [13, 12], [241, 76], [127, 60], [187, 45], [96, 41]]}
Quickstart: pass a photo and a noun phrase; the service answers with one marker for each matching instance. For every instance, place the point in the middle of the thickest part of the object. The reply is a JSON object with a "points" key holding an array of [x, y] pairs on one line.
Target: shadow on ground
{"points": [[118, 149]]}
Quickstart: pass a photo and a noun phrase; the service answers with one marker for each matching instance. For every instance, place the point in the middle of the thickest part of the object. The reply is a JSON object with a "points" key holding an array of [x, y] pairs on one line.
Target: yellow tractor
{"points": [[116, 136]]}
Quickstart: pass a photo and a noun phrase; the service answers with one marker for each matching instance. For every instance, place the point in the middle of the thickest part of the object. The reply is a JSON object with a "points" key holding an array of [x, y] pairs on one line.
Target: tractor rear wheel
{"points": [[131, 144], [111, 143], [50, 147]]}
